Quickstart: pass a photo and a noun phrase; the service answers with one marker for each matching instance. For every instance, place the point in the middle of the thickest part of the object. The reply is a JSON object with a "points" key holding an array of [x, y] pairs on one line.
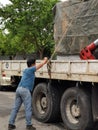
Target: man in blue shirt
{"points": [[23, 94]]}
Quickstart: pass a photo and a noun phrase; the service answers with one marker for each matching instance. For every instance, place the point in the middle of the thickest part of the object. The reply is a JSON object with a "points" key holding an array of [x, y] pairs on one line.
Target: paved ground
{"points": [[6, 102]]}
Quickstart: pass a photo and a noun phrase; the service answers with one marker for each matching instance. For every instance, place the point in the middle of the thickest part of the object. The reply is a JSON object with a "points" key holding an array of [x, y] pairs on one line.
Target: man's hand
{"points": [[44, 61]]}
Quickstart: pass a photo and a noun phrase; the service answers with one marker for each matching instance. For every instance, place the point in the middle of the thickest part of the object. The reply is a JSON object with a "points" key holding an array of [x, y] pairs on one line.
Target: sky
{"points": [[4, 2]]}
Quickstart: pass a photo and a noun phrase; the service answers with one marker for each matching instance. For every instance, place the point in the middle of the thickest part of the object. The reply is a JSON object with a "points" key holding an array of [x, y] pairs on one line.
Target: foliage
{"points": [[30, 26], [2, 42]]}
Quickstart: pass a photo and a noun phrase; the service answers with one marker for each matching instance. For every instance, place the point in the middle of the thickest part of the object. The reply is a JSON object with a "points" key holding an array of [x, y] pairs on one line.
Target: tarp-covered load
{"points": [[75, 25]]}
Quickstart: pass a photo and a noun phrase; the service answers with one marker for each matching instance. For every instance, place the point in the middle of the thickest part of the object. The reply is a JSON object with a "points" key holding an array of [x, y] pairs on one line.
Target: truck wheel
{"points": [[76, 109], [1, 88], [46, 103]]}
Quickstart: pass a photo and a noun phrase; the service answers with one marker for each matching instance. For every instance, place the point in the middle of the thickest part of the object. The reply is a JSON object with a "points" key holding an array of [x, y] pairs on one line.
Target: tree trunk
{"points": [[41, 52]]}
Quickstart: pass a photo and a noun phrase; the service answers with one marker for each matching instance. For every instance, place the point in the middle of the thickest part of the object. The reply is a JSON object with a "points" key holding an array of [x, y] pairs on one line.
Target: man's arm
{"points": [[44, 61]]}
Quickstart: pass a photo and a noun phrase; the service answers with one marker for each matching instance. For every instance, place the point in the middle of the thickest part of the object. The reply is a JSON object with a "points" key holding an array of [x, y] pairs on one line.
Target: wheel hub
{"points": [[44, 103], [75, 111]]}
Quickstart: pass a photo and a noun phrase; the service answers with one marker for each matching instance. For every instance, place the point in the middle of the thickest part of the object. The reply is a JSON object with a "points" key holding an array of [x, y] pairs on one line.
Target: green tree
{"points": [[2, 43], [30, 26]]}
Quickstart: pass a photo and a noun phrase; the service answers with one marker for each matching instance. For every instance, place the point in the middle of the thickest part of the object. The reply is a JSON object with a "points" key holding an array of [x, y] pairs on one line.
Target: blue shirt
{"points": [[27, 80]]}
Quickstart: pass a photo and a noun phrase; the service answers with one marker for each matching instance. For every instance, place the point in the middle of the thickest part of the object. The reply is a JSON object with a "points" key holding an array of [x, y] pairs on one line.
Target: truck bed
{"points": [[76, 70]]}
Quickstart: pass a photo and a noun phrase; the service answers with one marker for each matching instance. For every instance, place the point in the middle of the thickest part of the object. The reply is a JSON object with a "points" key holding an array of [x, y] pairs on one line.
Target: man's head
{"points": [[31, 62]]}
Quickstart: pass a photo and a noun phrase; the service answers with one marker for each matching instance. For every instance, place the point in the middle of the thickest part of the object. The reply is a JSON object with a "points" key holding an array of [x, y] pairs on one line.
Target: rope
{"points": [[68, 27], [49, 62]]}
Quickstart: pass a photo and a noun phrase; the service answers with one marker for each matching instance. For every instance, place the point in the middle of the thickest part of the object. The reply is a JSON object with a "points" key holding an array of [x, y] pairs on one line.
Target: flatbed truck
{"points": [[65, 89], [69, 92]]}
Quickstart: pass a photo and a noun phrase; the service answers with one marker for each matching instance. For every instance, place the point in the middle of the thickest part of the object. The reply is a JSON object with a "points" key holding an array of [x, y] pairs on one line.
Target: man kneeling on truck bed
{"points": [[23, 94]]}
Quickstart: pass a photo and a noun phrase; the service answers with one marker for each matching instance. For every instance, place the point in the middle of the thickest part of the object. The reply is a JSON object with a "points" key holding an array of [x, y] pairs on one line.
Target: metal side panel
{"points": [[78, 70], [13, 67]]}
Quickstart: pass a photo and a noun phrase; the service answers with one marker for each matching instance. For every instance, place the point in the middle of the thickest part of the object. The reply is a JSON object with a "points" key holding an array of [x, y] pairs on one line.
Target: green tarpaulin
{"points": [[75, 25]]}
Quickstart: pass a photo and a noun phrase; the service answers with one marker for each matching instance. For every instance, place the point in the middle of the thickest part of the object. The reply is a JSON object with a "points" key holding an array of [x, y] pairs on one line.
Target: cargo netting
{"points": [[75, 25]]}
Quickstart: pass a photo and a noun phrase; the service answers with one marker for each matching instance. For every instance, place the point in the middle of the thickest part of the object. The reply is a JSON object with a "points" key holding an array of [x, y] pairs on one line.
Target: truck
{"points": [[66, 88]]}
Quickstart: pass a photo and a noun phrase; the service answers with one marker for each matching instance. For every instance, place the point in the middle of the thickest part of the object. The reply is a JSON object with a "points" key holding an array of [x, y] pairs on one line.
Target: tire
{"points": [[1, 88], [46, 103], [76, 109]]}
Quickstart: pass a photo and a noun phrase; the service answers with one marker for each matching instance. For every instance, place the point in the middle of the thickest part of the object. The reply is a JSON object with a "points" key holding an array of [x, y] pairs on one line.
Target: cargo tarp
{"points": [[75, 25]]}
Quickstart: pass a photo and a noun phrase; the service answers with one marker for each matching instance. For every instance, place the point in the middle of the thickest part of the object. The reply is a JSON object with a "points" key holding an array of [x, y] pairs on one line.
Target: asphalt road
{"points": [[6, 102]]}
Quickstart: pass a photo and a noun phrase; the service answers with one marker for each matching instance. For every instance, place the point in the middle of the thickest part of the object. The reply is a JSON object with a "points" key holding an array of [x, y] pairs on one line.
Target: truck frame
{"points": [[64, 89]]}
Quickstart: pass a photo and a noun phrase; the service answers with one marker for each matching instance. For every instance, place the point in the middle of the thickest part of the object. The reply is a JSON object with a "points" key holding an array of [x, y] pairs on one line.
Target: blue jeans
{"points": [[23, 95]]}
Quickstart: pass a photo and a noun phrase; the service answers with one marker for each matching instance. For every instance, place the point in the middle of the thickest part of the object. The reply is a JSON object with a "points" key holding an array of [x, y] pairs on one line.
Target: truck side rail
{"points": [[76, 70]]}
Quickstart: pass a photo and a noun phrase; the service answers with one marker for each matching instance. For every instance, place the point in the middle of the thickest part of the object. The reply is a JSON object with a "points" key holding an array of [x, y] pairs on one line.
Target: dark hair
{"points": [[30, 62]]}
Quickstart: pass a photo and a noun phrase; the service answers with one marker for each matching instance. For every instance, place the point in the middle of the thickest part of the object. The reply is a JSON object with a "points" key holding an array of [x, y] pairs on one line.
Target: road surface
{"points": [[6, 102]]}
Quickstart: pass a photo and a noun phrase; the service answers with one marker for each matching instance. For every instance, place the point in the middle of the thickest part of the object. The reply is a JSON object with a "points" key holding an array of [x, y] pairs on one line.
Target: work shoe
{"points": [[11, 127], [30, 127]]}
